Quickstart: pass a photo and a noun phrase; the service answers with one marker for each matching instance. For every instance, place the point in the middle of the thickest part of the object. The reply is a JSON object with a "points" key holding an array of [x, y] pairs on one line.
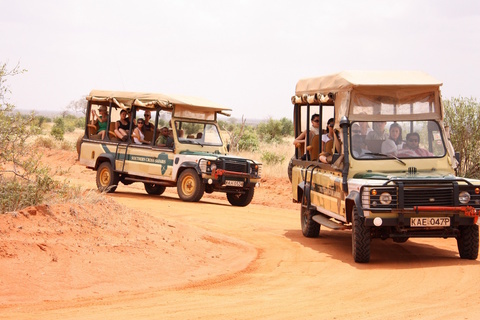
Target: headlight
{"points": [[464, 197], [213, 167], [385, 198]]}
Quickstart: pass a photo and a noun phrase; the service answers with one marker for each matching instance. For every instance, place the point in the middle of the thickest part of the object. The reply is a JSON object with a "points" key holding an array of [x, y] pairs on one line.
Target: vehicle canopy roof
{"points": [[182, 106], [361, 94]]}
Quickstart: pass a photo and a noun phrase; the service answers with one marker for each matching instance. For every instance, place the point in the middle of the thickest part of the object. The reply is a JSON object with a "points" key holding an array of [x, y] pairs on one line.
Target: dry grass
{"points": [[284, 149]]}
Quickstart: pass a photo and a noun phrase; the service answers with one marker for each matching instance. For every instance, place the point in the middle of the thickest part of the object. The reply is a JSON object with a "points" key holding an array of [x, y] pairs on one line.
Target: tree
{"points": [[23, 180], [462, 115], [78, 106], [235, 132]]}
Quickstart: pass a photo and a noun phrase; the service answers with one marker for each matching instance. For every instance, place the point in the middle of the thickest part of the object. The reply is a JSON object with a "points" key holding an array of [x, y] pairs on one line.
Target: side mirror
{"points": [[228, 147], [457, 156]]}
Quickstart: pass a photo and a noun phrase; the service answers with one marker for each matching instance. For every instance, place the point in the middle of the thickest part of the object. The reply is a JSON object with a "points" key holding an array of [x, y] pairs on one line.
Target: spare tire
{"points": [[79, 145]]}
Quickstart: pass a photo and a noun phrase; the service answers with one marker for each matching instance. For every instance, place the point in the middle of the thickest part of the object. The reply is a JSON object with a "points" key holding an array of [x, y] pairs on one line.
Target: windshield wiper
{"points": [[387, 156]]}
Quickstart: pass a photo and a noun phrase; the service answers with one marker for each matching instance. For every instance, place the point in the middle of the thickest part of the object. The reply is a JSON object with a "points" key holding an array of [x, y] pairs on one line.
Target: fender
{"points": [[353, 199], [303, 189], [189, 164], [105, 157]]}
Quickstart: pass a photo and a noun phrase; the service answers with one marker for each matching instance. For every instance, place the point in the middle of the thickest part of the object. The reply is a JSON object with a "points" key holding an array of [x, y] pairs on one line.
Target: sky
{"points": [[246, 55]]}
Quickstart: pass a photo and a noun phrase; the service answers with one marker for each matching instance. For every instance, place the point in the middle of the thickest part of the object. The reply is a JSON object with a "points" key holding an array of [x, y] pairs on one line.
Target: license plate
{"points": [[430, 222], [234, 183]]}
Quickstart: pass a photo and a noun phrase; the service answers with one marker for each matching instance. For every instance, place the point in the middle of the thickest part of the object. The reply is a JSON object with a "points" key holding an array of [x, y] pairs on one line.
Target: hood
{"points": [[431, 174]]}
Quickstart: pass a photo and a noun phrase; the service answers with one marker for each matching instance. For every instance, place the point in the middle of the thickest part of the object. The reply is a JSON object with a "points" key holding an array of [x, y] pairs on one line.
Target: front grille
{"points": [[236, 166], [428, 196]]}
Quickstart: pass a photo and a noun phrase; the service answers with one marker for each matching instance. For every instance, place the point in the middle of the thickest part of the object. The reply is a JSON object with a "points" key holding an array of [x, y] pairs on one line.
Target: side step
{"points": [[325, 221]]}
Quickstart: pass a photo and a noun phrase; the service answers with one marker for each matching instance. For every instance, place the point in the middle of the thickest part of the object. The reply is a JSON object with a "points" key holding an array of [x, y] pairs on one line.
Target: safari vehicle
{"points": [[192, 158], [381, 184]]}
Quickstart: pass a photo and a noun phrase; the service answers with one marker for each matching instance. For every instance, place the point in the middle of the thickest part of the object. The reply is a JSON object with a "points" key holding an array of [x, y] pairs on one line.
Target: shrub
{"points": [[271, 158], [248, 141], [58, 129]]}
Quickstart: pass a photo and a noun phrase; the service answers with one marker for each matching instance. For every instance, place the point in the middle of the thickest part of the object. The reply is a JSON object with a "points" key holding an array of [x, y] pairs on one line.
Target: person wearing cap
{"points": [[100, 120]]}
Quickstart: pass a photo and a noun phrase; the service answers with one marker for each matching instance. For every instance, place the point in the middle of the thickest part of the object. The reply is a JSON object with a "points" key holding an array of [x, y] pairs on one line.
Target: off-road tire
{"points": [[79, 145], [400, 240], [107, 179], [190, 187], [467, 242], [154, 189], [360, 238], [310, 228], [290, 168], [241, 199]]}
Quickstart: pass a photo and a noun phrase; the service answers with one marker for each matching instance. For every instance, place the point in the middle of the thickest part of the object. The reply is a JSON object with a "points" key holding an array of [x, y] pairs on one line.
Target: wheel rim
{"points": [[188, 185], [105, 178]]}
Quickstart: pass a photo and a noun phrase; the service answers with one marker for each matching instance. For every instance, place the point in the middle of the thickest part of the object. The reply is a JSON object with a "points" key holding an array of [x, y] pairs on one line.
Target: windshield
{"points": [[400, 139], [198, 133]]}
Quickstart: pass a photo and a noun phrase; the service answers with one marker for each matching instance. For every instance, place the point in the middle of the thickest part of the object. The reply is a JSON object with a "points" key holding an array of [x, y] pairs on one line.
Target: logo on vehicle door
{"points": [[164, 162]]}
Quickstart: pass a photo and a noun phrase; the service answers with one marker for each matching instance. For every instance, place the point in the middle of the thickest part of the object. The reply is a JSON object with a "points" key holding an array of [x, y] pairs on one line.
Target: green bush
{"points": [[249, 141], [58, 129], [271, 158]]}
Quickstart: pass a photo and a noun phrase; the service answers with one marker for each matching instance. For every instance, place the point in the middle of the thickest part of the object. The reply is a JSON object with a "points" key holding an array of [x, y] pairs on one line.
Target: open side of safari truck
{"points": [[391, 170]]}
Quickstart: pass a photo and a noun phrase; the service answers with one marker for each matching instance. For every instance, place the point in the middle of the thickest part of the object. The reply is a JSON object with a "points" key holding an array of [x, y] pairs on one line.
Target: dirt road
{"points": [[286, 276]]}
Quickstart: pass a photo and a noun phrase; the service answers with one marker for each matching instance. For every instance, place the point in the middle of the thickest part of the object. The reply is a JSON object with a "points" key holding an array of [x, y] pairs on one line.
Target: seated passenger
{"points": [[378, 132], [314, 130], [358, 146], [100, 120], [122, 126], [162, 139], [395, 137], [148, 126], [412, 147], [329, 134], [138, 136]]}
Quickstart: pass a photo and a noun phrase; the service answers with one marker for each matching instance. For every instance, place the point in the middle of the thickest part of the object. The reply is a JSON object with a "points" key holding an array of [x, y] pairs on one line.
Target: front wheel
{"points": [[360, 238], [467, 242], [107, 179], [241, 199], [154, 189], [189, 186]]}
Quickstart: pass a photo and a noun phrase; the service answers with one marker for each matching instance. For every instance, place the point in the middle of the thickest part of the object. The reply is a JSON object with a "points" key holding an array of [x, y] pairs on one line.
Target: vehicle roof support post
{"points": [[345, 124], [307, 135]]}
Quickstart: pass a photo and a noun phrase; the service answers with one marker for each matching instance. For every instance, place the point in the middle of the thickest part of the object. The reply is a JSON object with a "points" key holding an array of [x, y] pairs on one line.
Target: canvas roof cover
{"points": [[141, 99], [348, 80]]}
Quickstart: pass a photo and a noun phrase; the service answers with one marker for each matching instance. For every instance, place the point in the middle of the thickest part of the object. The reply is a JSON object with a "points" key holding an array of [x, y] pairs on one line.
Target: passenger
{"points": [[314, 130], [180, 133], [138, 136], [122, 126], [328, 135], [358, 146], [101, 120], [365, 129], [394, 141], [378, 132], [170, 140], [148, 126], [129, 116], [162, 139], [199, 135], [412, 147]]}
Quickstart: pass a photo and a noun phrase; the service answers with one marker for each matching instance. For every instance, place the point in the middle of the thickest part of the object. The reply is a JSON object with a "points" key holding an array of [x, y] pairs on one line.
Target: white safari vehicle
{"points": [[387, 169], [163, 141]]}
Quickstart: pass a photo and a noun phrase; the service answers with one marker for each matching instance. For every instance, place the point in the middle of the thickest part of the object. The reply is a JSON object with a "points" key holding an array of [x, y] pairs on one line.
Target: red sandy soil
{"points": [[128, 255]]}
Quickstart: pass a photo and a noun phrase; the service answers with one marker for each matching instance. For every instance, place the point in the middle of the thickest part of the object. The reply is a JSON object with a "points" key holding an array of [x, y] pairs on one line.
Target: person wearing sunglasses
{"points": [[314, 130], [412, 147], [327, 136], [147, 126], [138, 136]]}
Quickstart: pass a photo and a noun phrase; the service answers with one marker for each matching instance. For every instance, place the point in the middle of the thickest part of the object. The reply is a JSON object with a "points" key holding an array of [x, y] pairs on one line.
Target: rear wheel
{"points": [[360, 238], [189, 186], [241, 199], [310, 228], [154, 189], [107, 179], [467, 242]]}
